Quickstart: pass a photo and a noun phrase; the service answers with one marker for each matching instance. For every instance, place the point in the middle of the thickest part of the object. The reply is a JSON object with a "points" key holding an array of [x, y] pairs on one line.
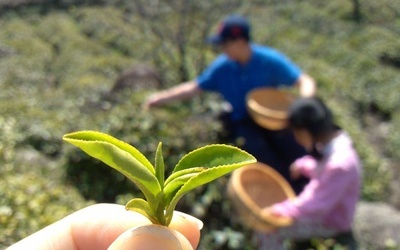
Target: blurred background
{"points": [[68, 65]]}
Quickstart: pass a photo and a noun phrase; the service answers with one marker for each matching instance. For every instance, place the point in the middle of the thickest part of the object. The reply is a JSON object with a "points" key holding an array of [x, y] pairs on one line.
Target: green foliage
{"points": [[195, 169], [107, 26], [29, 201], [394, 138]]}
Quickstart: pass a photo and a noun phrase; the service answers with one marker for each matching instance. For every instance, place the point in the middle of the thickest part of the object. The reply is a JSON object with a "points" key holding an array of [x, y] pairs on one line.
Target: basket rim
{"points": [[250, 204], [255, 107], [259, 109]]}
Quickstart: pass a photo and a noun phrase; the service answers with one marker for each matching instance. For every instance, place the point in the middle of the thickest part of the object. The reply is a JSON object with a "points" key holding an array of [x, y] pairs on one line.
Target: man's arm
{"points": [[183, 91], [306, 85]]}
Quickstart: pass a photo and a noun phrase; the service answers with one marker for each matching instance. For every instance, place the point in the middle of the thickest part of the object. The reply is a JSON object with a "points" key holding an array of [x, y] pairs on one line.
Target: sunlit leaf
{"points": [[196, 168], [226, 159], [141, 206], [212, 156], [160, 168], [120, 156]]}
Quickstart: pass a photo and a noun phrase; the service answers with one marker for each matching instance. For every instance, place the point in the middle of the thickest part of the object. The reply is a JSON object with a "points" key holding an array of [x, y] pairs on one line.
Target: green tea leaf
{"points": [[226, 159], [173, 187], [120, 156], [141, 206], [213, 155], [196, 168], [160, 168], [179, 173]]}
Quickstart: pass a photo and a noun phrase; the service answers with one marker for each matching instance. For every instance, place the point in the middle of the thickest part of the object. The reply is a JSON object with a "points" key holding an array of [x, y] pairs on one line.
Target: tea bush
{"points": [[30, 201]]}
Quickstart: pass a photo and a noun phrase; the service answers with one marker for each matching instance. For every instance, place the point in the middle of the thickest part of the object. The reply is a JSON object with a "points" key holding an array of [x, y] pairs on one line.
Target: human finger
{"points": [[94, 227], [183, 233], [187, 225]]}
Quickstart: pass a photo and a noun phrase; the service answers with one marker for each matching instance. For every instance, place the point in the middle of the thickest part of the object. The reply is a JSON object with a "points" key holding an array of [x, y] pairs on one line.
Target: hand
{"points": [[294, 172], [152, 101], [182, 91], [268, 211], [307, 86], [97, 227], [273, 211]]}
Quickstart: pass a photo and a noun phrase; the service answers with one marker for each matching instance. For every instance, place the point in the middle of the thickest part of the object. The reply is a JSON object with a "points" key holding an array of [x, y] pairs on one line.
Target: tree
{"points": [[357, 10], [180, 28]]}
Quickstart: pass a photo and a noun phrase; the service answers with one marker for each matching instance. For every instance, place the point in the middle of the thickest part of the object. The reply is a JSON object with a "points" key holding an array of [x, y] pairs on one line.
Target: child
{"points": [[326, 206]]}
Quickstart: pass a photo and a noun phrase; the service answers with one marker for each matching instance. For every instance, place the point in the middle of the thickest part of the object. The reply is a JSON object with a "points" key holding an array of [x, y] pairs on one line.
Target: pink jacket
{"points": [[334, 187]]}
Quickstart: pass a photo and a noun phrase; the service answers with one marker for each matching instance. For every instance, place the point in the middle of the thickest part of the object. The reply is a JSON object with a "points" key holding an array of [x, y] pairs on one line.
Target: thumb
{"points": [[183, 233], [151, 237]]}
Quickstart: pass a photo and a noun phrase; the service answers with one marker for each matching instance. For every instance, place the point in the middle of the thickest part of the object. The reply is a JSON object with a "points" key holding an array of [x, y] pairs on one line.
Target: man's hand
{"points": [[182, 91]]}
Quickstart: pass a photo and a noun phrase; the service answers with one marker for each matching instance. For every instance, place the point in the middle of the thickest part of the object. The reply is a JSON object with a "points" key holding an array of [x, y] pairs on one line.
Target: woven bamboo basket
{"points": [[268, 107], [254, 187]]}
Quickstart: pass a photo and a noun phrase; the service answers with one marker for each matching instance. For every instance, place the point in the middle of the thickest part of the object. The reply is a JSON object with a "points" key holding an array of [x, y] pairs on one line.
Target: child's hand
{"points": [[275, 212], [268, 211], [294, 172]]}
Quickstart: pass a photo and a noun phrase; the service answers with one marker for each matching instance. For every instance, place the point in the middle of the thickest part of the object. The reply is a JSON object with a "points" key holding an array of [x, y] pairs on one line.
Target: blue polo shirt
{"points": [[267, 67]]}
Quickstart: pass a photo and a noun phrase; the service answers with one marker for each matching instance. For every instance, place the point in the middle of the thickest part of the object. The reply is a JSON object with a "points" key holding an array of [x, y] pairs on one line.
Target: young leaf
{"points": [[213, 155], [173, 187], [98, 136], [193, 170], [122, 157], [141, 206], [160, 169], [179, 173], [226, 159]]}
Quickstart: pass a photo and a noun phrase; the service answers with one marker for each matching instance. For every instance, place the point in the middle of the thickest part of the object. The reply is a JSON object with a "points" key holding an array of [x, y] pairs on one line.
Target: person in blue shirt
{"points": [[242, 67]]}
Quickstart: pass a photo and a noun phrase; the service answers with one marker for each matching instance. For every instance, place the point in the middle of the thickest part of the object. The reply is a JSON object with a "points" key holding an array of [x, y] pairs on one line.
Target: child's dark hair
{"points": [[311, 114]]}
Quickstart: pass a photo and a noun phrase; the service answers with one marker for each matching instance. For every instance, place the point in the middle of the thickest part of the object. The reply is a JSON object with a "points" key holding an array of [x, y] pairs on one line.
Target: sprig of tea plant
{"points": [[195, 169]]}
